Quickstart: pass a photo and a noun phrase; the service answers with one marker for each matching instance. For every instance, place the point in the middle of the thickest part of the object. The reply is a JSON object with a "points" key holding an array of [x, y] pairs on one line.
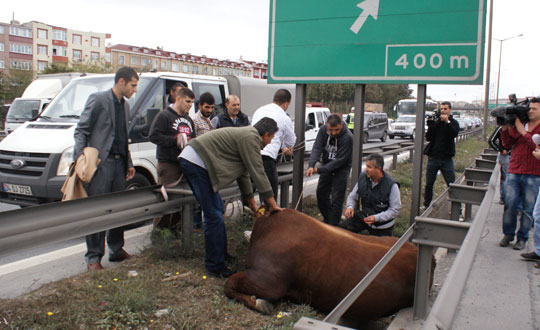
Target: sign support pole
{"points": [[488, 72], [418, 151], [359, 106], [298, 156]]}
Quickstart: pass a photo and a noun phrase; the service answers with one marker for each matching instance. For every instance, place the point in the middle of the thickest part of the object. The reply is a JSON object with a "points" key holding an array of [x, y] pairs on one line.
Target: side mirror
{"points": [[308, 127], [34, 113]]}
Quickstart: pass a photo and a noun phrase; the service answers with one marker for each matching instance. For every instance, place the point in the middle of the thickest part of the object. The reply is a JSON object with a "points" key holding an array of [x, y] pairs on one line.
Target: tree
{"points": [[14, 84], [340, 97]]}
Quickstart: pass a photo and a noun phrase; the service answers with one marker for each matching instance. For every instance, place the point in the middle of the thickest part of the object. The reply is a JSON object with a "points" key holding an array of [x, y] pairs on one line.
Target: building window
{"points": [[135, 49], [1, 30], [42, 65], [195, 69], [94, 56], [121, 59], [175, 67], [145, 62], [42, 34], [19, 31], [59, 35], [108, 57], [155, 64], [77, 39], [77, 55], [145, 51], [158, 52], [135, 60], [1, 46], [214, 71], [163, 65], [173, 55], [95, 42], [42, 49], [21, 49], [205, 70], [186, 68], [2, 65], [16, 64], [59, 51]]}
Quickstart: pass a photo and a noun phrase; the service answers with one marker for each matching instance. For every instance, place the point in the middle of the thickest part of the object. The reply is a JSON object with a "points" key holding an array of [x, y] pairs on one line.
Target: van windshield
{"points": [[22, 109], [69, 104]]}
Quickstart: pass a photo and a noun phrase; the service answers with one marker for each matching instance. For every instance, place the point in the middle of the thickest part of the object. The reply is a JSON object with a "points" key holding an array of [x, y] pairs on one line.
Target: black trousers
{"points": [[270, 169], [331, 190], [356, 224]]}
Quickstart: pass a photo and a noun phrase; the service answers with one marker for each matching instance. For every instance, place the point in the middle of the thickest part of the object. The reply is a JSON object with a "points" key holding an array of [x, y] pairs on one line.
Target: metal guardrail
{"points": [[445, 306]]}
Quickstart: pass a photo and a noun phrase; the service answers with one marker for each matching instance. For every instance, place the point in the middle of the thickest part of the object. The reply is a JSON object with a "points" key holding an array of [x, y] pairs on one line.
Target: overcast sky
{"points": [[234, 28]]}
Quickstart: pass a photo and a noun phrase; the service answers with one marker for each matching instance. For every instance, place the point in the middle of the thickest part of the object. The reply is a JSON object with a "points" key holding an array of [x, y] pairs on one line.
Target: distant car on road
{"points": [[404, 126]]}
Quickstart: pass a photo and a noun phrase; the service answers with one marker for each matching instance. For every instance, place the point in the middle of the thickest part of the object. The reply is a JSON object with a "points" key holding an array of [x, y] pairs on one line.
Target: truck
{"points": [[35, 158], [36, 97]]}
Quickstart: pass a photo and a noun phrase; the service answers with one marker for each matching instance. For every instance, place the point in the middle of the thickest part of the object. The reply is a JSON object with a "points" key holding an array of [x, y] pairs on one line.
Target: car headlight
{"points": [[65, 161]]}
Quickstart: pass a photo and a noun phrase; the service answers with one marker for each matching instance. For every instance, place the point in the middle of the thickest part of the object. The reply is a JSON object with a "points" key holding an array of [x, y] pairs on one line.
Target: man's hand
{"points": [[273, 205], [370, 220], [349, 212], [310, 171], [520, 127], [130, 173], [445, 118], [252, 204], [536, 153], [287, 151]]}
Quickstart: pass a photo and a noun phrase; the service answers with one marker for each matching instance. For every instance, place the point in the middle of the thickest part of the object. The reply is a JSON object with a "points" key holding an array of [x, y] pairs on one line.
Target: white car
{"points": [[404, 126]]}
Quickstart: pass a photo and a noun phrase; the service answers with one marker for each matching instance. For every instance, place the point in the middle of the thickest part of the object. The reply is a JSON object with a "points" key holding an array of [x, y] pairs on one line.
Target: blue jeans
{"points": [[433, 166], [504, 160], [215, 236], [536, 217], [521, 190]]}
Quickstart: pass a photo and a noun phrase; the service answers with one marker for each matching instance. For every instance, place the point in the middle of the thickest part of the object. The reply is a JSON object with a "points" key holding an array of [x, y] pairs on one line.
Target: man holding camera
{"points": [[441, 134], [523, 176]]}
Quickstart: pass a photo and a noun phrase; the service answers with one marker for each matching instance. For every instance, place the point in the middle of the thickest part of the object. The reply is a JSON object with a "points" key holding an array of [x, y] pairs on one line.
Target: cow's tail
{"points": [[237, 288]]}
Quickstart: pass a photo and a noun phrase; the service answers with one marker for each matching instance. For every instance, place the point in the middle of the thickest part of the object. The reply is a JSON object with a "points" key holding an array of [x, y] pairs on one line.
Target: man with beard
{"points": [[202, 118]]}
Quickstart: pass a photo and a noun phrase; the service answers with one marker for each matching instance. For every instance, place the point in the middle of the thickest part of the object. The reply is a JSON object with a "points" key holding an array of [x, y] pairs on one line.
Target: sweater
{"points": [[336, 151], [233, 153], [441, 136]]}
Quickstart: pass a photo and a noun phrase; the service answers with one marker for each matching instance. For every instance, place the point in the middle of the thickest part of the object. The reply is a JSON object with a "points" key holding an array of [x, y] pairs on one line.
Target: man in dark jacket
{"points": [[171, 130], [374, 202], [233, 116], [441, 135], [334, 143]]}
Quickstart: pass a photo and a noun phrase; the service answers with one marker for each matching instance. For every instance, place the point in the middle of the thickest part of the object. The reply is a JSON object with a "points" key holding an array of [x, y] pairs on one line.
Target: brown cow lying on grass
{"points": [[294, 256]]}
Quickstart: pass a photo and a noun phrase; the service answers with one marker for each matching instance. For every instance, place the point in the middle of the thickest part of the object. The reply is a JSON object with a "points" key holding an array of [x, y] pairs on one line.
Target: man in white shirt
{"points": [[284, 139]]}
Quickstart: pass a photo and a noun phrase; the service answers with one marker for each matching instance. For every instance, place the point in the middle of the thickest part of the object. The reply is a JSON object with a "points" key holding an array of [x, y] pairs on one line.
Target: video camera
{"points": [[508, 114], [434, 119]]}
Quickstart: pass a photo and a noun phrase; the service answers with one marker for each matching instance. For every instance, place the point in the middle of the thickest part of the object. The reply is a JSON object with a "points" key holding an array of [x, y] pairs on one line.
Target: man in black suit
{"points": [[104, 126]]}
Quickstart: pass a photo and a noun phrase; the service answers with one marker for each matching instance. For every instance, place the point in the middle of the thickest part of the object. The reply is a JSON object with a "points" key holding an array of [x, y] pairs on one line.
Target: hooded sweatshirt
{"points": [[336, 151]]}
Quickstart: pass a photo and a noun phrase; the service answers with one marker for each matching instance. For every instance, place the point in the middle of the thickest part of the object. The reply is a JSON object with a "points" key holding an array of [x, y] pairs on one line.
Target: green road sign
{"points": [[377, 41]]}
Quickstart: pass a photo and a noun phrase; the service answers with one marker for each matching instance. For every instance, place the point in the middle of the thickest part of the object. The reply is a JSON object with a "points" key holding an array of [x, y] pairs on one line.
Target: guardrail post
{"points": [[187, 227], [423, 275], [394, 161], [284, 194], [411, 155]]}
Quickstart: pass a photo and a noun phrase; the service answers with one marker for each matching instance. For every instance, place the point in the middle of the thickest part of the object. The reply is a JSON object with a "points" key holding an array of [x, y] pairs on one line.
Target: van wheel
{"points": [[384, 136], [413, 134], [365, 137], [138, 181]]}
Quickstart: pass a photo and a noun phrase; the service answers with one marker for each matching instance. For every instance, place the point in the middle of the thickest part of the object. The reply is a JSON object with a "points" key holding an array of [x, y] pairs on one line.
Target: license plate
{"points": [[17, 189]]}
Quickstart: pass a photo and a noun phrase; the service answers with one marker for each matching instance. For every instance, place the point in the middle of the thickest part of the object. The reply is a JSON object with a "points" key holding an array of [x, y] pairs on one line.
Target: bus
{"points": [[408, 107]]}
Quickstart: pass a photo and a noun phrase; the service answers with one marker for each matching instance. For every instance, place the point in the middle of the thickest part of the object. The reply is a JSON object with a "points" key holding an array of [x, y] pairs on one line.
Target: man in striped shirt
{"points": [[523, 177], [202, 118]]}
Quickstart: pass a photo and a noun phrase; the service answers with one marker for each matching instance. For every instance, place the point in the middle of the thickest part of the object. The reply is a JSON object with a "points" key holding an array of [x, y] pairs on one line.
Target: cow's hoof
{"points": [[264, 306]]}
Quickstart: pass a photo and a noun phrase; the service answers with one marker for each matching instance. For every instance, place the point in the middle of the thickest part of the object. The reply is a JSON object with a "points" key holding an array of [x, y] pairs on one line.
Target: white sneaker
{"points": [[247, 235]]}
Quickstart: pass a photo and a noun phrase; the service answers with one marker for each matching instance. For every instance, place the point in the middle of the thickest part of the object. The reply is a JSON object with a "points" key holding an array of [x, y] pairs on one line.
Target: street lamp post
{"points": [[499, 71]]}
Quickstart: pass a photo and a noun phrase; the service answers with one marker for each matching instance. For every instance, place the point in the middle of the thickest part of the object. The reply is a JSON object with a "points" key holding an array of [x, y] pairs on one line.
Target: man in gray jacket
{"points": [[104, 126]]}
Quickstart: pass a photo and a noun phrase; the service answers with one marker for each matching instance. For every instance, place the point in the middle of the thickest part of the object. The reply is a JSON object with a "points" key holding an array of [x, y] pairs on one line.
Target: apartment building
{"points": [[146, 59], [35, 45]]}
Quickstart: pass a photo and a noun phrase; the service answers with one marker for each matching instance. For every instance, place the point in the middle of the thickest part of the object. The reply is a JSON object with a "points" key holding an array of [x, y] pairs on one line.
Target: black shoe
{"points": [[530, 256], [520, 245], [505, 241], [223, 273]]}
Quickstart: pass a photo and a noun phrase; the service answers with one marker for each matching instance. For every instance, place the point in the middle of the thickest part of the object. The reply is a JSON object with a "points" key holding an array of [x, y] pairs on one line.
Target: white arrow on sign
{"points": [[370, 7]]}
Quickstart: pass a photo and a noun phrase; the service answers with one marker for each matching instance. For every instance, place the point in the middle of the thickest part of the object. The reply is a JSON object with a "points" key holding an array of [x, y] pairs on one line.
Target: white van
{"points": [[36, 97], [35, 158], [315, 119]]}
